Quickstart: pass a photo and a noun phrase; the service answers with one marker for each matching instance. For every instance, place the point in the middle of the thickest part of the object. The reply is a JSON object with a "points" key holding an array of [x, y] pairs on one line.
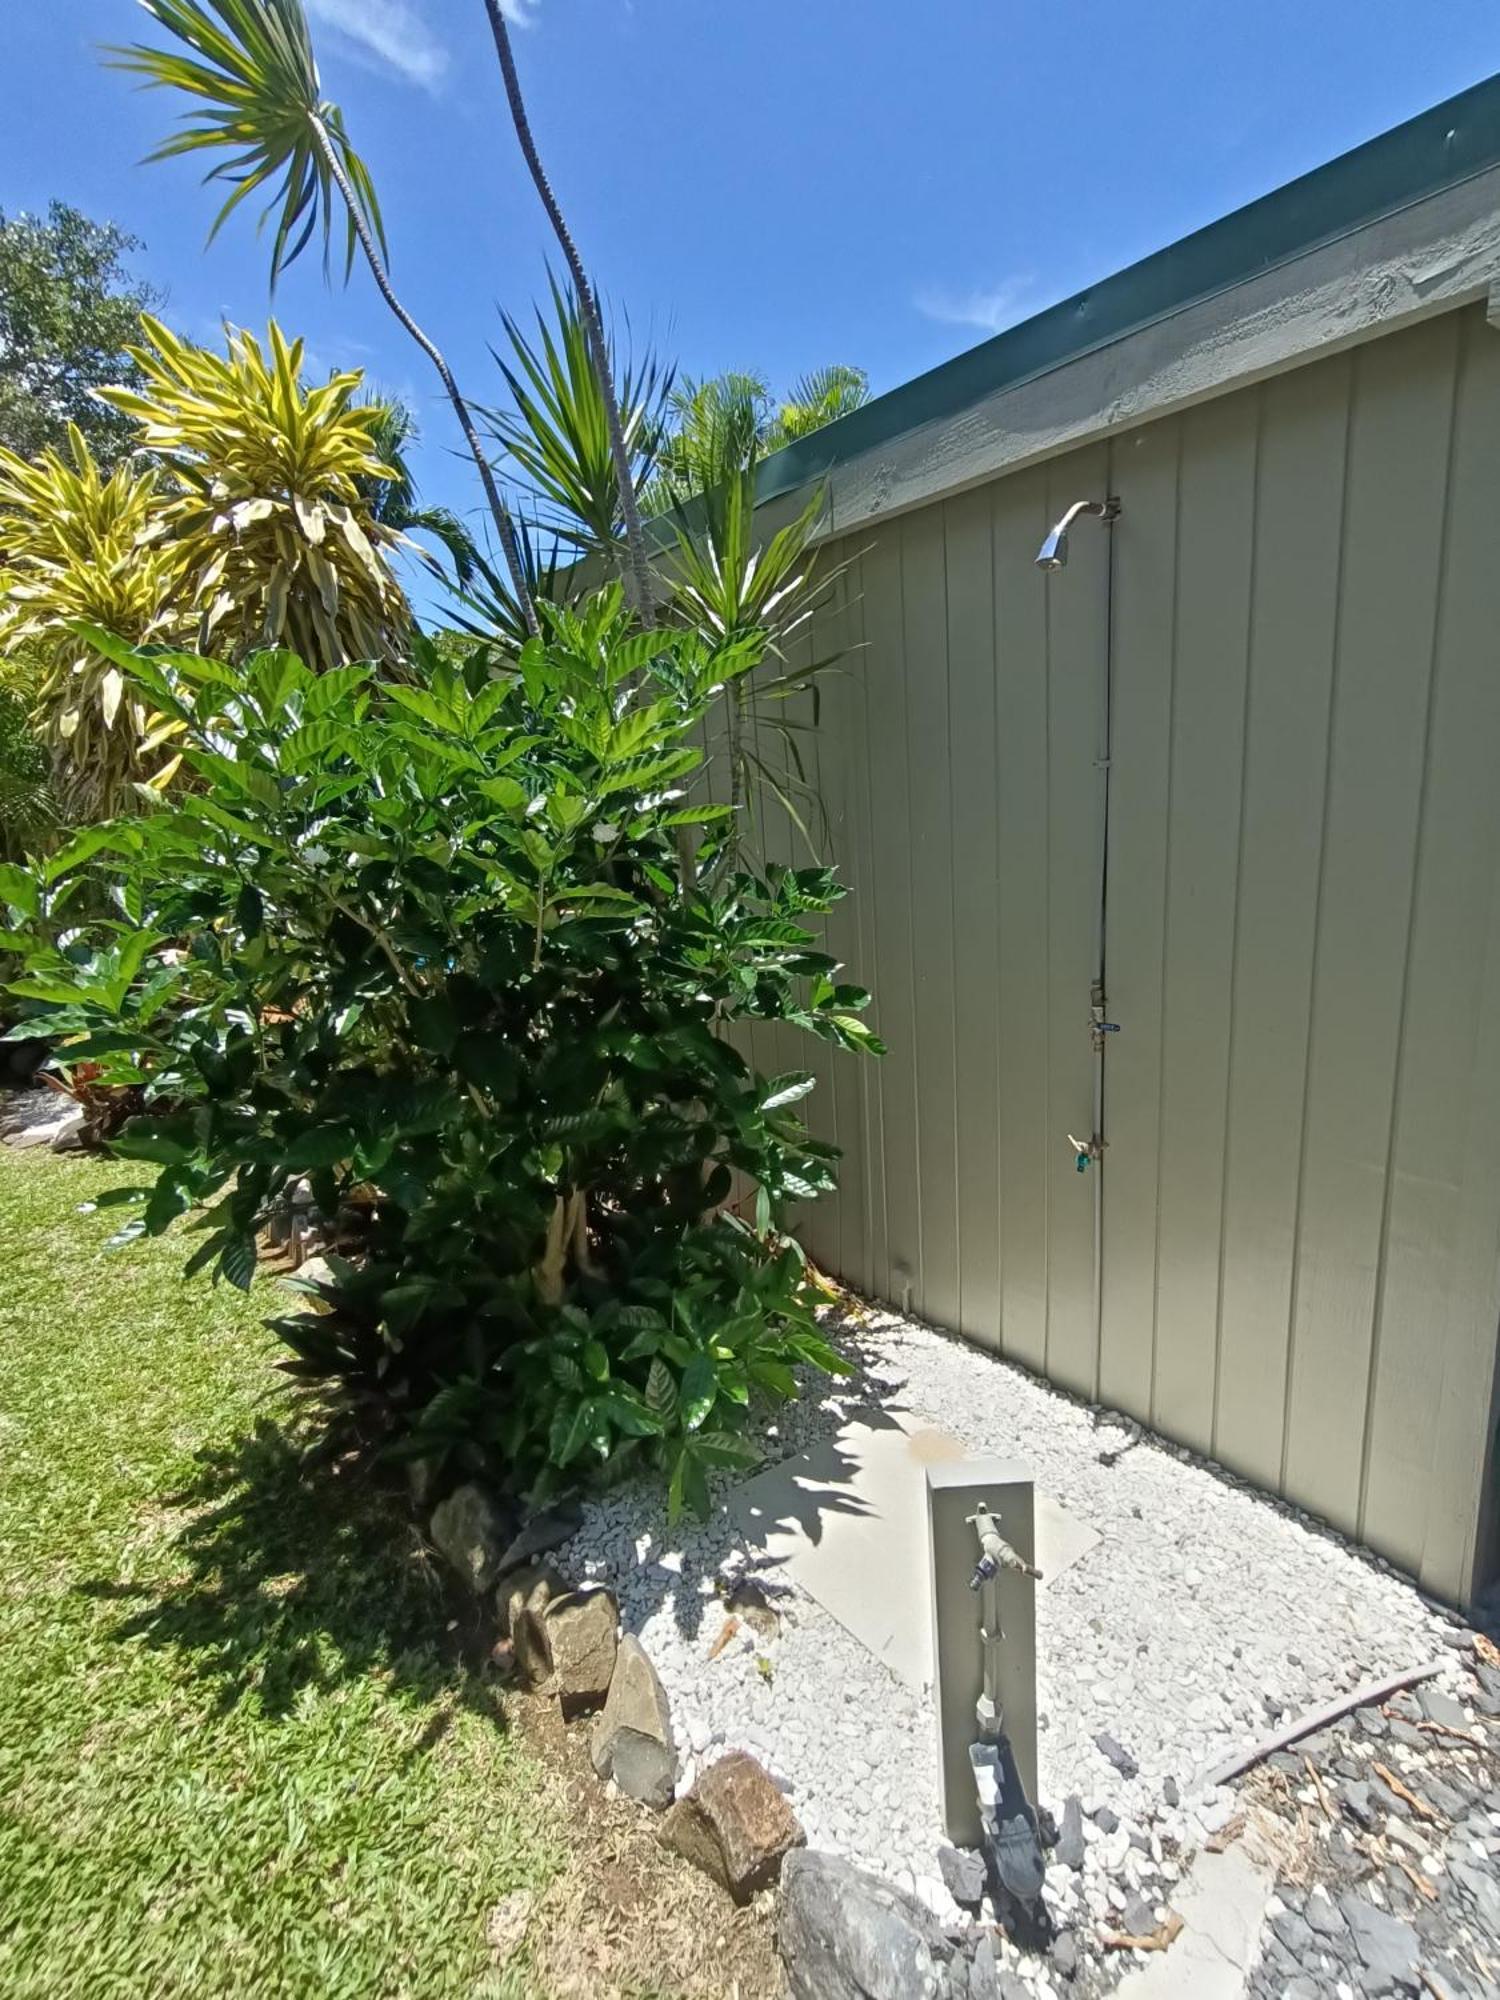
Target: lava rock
{"points": [[983, 1980], [581, 1632], [1444, 1710], [845, 1935], [1388, 1947], [1069, 1849], [1294, 1932], [632, 1741], [541, 1533], [469, 1532], [1118, 1755], [1437, 1792], [734, 1825], [1323, 1917], [963, 1874], [1356, 1800]]}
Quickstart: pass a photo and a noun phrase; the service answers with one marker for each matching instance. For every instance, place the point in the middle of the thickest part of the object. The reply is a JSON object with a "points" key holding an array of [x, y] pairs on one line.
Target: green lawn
{"points": [[233, 1761]]}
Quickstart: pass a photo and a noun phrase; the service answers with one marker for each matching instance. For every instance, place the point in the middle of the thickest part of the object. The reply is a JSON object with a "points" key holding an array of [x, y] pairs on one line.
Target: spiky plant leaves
{"points": [[251, 72], [267, 482], [83, 550]]}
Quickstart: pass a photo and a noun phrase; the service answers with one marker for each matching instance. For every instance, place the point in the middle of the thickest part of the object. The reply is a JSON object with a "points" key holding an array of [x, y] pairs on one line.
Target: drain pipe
{"points": [[1053, 556]]}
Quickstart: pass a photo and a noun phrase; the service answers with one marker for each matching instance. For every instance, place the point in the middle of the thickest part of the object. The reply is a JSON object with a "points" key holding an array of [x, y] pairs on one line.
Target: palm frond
{"points": [[557, 430], [818, 398], [250, 69], [486, 605], [718, 427]]}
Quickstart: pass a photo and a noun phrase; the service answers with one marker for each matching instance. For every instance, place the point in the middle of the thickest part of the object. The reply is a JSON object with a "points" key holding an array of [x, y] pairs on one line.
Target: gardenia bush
{"points": [[445, 951]]}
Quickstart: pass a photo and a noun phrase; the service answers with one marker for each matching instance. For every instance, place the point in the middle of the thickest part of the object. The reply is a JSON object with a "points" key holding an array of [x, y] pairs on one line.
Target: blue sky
{"points": [[769, 186]]}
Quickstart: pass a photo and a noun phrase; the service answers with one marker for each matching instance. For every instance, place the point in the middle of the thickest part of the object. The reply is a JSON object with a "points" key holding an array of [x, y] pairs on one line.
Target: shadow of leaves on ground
{"points": [[285, 1569]]}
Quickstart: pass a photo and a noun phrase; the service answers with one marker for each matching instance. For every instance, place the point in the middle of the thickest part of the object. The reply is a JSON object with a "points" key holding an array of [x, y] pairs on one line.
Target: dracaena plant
{"points": [[82, 549], [428, 947], [263, 482]]}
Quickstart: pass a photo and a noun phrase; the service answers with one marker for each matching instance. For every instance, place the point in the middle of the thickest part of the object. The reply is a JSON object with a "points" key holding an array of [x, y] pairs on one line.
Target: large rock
{"points": [[632, 1738], [582, 1637], [67, 1134], [734, 1825], [46, 1132], [469, 1532], [1389, 1949], [843, 1935], [521, 1603]]}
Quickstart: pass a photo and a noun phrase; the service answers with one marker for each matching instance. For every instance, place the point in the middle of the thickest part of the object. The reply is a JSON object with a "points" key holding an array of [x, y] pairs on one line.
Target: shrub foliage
{"points": [[433, 950]]}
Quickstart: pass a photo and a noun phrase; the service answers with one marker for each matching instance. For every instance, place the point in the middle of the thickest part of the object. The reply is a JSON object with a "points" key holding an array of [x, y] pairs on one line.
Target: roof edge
{"points": [[1437, 149]]}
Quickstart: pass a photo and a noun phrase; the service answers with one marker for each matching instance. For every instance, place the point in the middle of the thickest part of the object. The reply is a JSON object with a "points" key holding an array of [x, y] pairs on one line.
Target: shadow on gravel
{"points": [[723, 1568], [281, 1569]]}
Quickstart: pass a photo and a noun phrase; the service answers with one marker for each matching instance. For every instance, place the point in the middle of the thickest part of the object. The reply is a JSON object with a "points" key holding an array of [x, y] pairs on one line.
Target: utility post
{"points": [[981, 1526]]}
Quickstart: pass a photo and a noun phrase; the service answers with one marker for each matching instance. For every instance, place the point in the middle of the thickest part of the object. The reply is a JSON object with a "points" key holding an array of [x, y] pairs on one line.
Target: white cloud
{"points": [[391, 32], [992, 311]]}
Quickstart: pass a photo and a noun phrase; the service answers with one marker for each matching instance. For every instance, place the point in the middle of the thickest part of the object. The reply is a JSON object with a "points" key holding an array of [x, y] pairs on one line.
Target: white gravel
{"points": [[1203, 1613]]}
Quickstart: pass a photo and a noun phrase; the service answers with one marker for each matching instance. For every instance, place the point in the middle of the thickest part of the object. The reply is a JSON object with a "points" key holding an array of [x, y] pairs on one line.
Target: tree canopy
{"points": [[69, 307]]}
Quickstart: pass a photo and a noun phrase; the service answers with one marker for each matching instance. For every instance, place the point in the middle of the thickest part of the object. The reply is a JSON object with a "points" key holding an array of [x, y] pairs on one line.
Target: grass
{"points": [[234, 1759]]}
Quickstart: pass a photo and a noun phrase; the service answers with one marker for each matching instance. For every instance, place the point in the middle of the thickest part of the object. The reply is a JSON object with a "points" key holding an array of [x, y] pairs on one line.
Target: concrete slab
{"points": [[847, 1521], [1223, 1907]]}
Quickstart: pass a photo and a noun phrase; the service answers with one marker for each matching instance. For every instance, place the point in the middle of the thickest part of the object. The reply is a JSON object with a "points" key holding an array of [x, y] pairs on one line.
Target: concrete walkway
{"points": [[1222, 1904]]}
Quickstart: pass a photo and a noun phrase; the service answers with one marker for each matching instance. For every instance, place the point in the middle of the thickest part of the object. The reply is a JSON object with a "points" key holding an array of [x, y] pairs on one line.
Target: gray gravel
{"points": [[1204, 1611], [1389, 1896]]}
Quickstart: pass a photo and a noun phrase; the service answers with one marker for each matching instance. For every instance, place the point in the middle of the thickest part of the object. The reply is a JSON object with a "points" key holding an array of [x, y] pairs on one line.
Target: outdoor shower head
{"points": [[1054, 551]]}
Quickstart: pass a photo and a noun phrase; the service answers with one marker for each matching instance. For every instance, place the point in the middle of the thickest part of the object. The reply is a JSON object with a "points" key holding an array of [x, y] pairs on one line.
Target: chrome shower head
{"points": [[1053, 553]]}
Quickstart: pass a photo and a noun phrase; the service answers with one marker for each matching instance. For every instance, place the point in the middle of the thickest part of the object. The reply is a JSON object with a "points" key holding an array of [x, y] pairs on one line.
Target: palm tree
{"points": [[258, 97], [820, 398], [638, 562]]}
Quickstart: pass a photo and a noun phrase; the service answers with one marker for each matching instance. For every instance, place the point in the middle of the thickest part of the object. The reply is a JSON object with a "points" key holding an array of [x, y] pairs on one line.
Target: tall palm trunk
{"points": [[504, 526], [638, 565]]}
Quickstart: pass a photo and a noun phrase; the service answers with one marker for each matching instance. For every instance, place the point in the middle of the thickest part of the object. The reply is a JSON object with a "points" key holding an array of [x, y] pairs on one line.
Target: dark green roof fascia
{"points": [[1435, 150]]}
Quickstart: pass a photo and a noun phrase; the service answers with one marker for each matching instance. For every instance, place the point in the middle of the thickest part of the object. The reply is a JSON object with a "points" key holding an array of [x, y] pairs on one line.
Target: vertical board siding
{"points": [[1298, 521], [924, 607], [1077, 602], [970, 588], [1301, 1244], [1438, 1281], [1145, 605], [1399, 436], [1215, 555], [1021, 785]]}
